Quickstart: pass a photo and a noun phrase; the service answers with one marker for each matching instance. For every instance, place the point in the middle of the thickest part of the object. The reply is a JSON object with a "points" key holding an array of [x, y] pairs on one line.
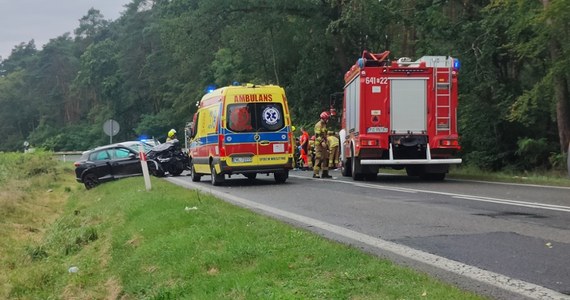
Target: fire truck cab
{"points": [[400, 114]]}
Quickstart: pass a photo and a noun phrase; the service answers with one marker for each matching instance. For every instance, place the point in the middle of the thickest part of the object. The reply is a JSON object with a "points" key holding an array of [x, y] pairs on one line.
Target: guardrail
{"points": [[66, 156]]}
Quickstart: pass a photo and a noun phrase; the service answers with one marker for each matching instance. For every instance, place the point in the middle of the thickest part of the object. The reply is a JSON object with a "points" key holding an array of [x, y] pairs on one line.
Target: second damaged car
{"points": [[169, 158]]}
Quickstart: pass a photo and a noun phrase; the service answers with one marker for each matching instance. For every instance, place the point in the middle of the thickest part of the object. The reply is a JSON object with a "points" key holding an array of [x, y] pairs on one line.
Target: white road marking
{"points": [[510, 183], [516, 286], [458, 196]]}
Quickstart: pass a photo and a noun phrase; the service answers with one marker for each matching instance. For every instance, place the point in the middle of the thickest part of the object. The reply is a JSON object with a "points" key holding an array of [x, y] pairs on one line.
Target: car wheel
{"points": [[155, 169], [90, 181], [177, 171], [195, 177], [217, 179]]}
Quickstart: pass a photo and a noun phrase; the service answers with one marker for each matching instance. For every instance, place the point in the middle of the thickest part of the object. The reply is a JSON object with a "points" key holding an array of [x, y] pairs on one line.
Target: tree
{"points": [[556, 18]]}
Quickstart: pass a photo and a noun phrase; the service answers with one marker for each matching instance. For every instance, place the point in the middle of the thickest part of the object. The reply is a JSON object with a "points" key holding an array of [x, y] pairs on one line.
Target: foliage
{"points": [[148, 68], [532, 152]]}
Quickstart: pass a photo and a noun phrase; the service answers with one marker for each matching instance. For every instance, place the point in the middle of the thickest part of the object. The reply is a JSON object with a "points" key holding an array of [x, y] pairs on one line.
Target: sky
{"points": [[42, 20]]}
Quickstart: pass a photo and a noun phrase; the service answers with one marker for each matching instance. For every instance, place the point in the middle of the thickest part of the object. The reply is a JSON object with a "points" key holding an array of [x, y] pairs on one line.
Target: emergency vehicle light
{"points": [[456, 64], [210, 88], [222, 149]]}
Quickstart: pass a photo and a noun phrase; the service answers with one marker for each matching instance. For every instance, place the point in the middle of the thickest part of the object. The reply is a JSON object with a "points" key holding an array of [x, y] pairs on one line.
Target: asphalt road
{"points": [[506, 241]]}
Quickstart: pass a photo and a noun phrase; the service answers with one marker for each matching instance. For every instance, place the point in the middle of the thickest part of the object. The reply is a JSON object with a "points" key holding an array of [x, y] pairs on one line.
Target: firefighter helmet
{"points": [[171, 133]]}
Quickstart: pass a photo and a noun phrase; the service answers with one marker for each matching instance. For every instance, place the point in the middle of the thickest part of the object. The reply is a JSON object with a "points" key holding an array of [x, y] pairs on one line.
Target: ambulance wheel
{"points": [[345, 168], [250, 176], [195, 177], [217, 179], [281, 177]]}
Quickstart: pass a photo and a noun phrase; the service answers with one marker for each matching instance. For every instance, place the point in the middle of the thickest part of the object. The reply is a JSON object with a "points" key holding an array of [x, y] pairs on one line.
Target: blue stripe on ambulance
{"points": [[249, 137]]}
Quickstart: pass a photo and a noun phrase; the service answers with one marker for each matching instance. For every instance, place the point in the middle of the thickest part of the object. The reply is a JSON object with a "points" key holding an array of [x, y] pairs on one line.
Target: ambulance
{"points": [[242, 130]]}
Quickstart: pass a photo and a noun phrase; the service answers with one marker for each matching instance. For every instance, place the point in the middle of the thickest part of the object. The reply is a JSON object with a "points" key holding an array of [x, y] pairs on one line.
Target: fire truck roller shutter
{"points": [[408, 104]]}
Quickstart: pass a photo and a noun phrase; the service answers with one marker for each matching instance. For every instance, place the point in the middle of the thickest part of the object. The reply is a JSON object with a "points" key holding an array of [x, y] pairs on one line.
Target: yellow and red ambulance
{"points": [[242, 130]]}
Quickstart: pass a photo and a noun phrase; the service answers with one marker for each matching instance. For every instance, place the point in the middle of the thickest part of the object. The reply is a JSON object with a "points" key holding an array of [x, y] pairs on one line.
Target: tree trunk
{"points": [[560, 91], [562, 110]]}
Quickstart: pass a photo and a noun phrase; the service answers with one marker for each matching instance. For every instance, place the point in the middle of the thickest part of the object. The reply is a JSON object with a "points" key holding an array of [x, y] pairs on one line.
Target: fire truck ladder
{"points": [[442, 78]]}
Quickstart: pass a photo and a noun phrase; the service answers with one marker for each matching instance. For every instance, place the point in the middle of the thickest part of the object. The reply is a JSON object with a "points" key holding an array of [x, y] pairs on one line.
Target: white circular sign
{"points": [[111, 127], [271, 115]]}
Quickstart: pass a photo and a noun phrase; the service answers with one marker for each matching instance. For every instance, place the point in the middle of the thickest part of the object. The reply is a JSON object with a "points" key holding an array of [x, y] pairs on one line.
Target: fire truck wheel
{"points": [[371, 176], [433, 176], [356, 169], [414, 171], [345, 168]]}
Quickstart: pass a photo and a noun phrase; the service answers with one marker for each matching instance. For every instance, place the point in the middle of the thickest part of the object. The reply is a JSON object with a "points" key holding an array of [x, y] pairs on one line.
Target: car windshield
{"points": [[251, 117], [135, 146]]}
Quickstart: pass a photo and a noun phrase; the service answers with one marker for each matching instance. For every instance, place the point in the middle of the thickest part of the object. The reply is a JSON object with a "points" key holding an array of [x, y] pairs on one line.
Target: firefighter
{"points": [[333, 142], [171, 135], [311, 152], [321, 147]]}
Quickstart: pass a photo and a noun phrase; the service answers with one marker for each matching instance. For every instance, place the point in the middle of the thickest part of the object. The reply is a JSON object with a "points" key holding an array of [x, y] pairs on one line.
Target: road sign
{"points": [[111, 128]]}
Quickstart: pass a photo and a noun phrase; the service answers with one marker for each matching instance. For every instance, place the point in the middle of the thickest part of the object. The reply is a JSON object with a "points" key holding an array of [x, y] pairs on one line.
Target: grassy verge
{"points": [[554, 178], [172, 243]]}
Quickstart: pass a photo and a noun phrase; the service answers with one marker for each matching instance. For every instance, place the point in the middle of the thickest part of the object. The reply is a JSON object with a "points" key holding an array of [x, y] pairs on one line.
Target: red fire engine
{"points": [[400, 114]]}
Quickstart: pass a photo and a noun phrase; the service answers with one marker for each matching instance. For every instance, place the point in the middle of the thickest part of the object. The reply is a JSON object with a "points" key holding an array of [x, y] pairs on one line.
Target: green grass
{"points": [[553, 178], [132, 244]]}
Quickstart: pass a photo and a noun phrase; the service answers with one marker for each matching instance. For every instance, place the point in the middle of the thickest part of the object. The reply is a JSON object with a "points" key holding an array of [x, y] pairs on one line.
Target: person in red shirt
{"points": [[304, 141]]}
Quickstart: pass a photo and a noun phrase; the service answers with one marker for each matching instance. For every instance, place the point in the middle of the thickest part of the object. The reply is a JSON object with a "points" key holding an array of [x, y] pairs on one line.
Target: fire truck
{"points": [[400, 114]]}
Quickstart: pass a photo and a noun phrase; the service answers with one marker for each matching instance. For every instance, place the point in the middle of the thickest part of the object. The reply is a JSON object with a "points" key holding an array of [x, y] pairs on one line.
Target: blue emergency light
{"points": [[210, 88], [456, 64]]}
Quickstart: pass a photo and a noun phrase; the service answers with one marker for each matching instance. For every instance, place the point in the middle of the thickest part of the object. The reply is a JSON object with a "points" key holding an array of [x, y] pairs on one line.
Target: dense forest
{"points": [[148, 68]]}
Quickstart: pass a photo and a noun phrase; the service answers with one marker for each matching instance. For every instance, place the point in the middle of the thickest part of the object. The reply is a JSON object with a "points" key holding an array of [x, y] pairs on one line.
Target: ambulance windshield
{"points": [[253, 117]]}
